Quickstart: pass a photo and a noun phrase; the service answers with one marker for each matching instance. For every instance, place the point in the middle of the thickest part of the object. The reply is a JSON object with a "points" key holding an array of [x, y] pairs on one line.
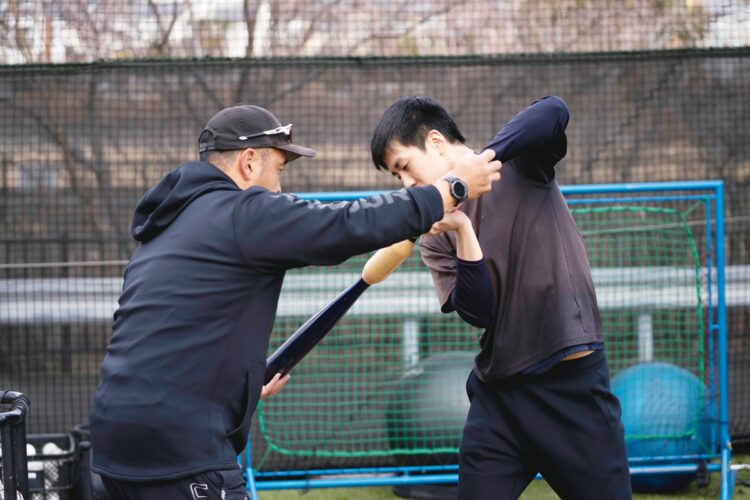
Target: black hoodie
{"points": [[183, 372]]}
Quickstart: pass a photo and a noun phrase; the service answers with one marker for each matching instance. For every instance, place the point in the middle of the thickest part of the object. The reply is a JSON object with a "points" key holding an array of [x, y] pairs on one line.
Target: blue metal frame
{"points": [[716, 186], [711, 323], [717, 319], [725, 444]]}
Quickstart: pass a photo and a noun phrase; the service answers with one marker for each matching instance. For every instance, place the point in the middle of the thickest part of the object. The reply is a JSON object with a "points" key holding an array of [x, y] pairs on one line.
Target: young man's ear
{"points": [[436, 140]]}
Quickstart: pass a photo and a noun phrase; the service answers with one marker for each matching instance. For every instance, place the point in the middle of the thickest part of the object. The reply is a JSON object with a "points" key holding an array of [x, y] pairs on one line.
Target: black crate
{"points": [[51, 468]]}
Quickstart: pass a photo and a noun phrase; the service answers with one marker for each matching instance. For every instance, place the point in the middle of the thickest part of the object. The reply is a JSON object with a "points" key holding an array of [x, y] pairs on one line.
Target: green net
{"points": [[647, 273], [647, 276], [344, 400], [389, 380]]}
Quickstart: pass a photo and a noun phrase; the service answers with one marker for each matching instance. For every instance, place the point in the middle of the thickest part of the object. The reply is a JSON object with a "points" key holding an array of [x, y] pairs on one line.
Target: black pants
{"points": [[213, 485], [564, 424]]}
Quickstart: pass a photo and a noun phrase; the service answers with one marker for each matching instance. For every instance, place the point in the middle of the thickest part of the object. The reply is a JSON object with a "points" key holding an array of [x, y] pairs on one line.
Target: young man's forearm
{"points": [[467, 244], [472, 297]]}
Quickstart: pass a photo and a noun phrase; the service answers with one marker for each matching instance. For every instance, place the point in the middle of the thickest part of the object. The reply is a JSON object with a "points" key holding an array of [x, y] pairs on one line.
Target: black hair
{"points": [[408, 121]]}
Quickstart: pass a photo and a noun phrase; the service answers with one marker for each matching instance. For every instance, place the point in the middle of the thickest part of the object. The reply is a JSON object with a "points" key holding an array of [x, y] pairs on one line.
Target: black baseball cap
{"points": [[248, 126]]}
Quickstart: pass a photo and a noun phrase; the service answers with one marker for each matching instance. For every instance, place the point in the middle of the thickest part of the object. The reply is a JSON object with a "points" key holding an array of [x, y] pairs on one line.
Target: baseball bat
{"points": [[376, 269]]}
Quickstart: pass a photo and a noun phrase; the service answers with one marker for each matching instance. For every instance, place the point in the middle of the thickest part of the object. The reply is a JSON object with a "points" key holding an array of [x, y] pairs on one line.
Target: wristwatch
{"points": [[459, 189]]}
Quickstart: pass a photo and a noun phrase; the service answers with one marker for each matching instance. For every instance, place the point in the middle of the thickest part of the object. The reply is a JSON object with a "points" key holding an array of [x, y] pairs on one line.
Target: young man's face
{"points": [[415, 166]]}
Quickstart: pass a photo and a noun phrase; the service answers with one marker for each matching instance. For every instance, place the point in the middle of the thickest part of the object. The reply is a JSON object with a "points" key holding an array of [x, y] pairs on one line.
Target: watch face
{"points": [[459, 190]]}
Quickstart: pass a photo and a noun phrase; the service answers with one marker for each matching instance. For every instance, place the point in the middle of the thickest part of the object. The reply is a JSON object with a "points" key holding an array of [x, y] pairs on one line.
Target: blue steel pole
{"points": [[249, 471], [394, 480], [426, 469], [358, 470], [713, 329], [726, 453], [251, 484], [566, 190], [304, 484], [644, 187]]}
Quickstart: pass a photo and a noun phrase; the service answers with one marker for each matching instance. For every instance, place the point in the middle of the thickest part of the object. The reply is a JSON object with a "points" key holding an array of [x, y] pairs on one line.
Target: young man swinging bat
{"points": [[185, 366], [515, 264]]}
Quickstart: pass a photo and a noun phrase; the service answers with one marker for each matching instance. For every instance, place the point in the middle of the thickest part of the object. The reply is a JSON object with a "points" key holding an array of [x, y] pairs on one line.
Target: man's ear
{"points": [[245, 162], [436, 140]]}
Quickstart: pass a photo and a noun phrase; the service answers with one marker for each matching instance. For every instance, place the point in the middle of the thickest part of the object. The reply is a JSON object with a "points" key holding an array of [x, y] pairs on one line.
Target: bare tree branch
{"points": [[449, 6], [313, 76], [274, 27], [207, 90], [314, 23], [102, 196], [92, 24], [251, 15], [70, 161], [352, 27], [159, 46], [21, 42]]}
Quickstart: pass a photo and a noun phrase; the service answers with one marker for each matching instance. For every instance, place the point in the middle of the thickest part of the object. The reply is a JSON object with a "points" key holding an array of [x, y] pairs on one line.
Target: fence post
{"points": [[13, 432]]}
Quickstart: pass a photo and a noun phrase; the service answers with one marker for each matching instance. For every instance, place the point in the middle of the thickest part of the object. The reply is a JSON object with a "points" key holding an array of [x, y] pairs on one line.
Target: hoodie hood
{"points": [[163, 203]]}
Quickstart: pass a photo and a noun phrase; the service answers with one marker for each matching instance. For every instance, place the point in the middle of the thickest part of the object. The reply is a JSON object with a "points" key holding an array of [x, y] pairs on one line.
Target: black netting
{"points": [[658, 91]]}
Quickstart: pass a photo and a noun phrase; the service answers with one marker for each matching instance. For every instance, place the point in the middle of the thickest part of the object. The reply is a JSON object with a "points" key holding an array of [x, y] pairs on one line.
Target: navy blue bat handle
{"points": [[312, 331]]}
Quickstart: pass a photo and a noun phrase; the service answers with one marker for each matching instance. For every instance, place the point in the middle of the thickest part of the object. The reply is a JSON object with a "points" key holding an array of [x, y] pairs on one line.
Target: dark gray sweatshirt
{"points": [[542, 287]]}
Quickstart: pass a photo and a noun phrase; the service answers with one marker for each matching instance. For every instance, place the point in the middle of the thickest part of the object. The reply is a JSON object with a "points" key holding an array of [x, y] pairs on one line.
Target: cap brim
{"points": [[293, 151]]}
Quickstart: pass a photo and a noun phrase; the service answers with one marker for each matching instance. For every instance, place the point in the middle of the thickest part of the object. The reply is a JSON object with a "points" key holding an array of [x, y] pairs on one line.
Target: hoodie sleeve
{"points": [[278, 231]]}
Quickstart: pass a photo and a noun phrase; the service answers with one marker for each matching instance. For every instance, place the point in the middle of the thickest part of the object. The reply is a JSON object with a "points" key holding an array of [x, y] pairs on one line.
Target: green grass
{"points": [[538, 490]]}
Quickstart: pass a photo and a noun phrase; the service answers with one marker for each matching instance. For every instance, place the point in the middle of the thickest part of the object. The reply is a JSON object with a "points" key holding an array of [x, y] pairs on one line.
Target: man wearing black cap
{"points": [[185, 365]]}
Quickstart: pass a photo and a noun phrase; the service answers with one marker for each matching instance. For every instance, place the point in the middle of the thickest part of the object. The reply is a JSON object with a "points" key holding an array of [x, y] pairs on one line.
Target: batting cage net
{"points": [[388, 383], [100, 99]]}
